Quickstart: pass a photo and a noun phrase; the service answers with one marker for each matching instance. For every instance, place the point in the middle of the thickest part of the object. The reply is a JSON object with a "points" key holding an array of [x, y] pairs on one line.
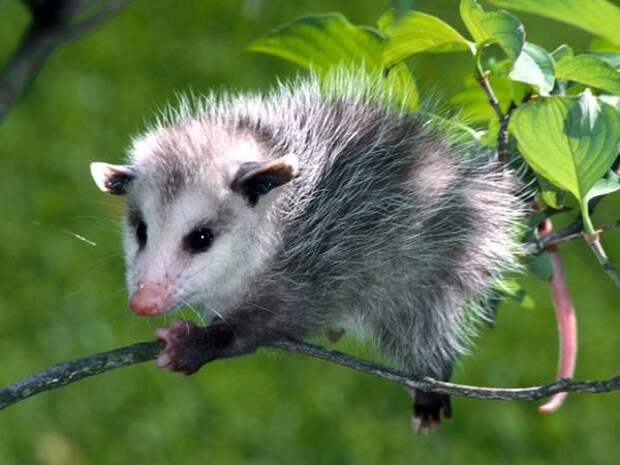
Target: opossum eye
{"points": [[141, 234], [198, 240]]}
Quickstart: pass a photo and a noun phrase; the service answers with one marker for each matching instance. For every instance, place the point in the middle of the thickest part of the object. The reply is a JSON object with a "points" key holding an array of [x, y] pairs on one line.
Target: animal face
{"points": [[194, 236]]}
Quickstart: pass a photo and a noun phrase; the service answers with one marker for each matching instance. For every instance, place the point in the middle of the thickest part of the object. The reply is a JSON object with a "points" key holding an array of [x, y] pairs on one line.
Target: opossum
{"points": [[323, 204]]}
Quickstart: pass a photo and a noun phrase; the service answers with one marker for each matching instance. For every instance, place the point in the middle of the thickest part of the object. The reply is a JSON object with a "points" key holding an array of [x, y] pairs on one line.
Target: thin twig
{"points": [[503, 119], [608, 267], [592, 237], [50, 27], [72, 371], [569, 233], [576, 231], [482, 77], [431, 385], [75, 370]]}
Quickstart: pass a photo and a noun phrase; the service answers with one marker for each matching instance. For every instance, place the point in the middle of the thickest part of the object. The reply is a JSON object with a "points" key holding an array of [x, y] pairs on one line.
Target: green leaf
{"points": [[528, 301], [489, 136], [472, 14], [495, 26], [403, 85], [606, 185], [551, 198], [540, 266], [611, 58], [320, 42], [589, 70], [612, 100], [456, 130], [599, 44], [534, 219], [599, 17], [563, 51], [417, 32], [507, 30], [511, 289], [473, 103], [571, 141], [535, 67], [551, 195]]}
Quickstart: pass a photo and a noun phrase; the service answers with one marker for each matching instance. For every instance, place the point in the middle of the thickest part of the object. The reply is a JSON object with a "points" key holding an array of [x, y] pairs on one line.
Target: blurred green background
{"points": [[61, 297]]}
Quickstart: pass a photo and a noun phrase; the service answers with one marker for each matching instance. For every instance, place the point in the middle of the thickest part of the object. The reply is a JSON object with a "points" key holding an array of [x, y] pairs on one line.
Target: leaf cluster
{"points": [[557, 113]]}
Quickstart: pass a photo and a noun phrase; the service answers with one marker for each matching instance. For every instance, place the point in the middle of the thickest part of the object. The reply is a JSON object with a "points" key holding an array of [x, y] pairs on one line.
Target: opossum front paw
{"points": [[428, 408], [185, 347]]}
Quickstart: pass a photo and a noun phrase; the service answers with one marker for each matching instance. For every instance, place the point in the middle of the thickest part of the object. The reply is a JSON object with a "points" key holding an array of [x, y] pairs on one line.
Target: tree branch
{"points": [[97, 19], [51, 26], [608, 267], [72, 371], [69, 372], [569, 233], [503, 119]]}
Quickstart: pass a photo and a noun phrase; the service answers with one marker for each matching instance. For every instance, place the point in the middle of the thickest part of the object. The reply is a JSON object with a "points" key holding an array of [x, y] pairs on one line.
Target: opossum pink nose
{"points": [[149, 299]]}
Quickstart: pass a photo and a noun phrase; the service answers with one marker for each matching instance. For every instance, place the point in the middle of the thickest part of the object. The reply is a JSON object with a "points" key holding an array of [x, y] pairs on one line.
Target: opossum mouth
{"points": [[150, 312]]}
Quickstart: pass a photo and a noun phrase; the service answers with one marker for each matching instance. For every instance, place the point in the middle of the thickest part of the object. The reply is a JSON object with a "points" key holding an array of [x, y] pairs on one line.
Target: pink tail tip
{"points": [[552, 404]]}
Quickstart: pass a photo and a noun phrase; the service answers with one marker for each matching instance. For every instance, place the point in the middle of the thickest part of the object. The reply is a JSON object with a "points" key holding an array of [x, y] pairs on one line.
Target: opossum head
{"points": [[198, 211]]}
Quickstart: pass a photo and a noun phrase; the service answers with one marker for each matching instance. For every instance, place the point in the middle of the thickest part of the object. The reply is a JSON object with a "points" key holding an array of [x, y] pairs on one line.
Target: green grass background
{"points": [[61, 298]]}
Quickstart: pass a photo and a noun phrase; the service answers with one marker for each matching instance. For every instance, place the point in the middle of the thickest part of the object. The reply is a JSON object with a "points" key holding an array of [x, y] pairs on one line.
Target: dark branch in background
{"points": [[53, 22], [69, 372]]}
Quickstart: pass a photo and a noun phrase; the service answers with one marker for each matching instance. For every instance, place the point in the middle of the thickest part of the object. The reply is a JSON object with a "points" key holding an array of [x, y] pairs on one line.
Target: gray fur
{"points": [[389, 224]]}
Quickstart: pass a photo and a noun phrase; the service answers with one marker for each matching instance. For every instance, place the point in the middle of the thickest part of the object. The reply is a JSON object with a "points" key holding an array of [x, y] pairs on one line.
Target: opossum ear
{"points": [[254, 179], [112, 179]]}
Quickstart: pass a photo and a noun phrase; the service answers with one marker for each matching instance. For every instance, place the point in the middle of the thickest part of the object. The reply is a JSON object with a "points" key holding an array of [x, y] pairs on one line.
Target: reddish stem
{"points": [[566, 320]]}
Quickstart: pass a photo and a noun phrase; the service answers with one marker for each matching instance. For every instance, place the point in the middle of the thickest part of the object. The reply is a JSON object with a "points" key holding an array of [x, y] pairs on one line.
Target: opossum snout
{"points": [[150, 299]]}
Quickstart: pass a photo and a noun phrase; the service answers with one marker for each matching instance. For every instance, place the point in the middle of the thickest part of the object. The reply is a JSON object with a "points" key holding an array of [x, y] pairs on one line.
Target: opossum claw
{"points": [[183, 351]]}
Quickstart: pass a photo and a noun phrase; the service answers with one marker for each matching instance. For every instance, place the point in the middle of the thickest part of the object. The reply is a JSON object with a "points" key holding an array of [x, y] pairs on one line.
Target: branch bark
{"points": [[75, 370], [569, 233], [51, 26], [503, 119], [72, 371]]}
